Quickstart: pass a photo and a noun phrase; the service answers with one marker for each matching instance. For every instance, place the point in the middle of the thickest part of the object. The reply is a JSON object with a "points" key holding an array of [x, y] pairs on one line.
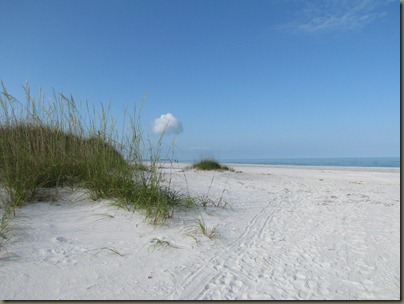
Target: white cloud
{"points": [[167, 123], [335, 15]]}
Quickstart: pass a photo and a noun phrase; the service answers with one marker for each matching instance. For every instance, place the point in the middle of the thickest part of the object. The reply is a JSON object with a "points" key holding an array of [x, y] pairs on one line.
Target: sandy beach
{"points": [[282, 233]]}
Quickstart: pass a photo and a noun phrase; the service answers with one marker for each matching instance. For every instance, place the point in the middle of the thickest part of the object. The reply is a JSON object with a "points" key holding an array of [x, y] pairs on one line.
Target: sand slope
{"points": [[286, 233]]}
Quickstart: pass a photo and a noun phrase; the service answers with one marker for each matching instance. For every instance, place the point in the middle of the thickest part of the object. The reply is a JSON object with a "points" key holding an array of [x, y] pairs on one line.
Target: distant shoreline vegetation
{"points": [[209, 164]]}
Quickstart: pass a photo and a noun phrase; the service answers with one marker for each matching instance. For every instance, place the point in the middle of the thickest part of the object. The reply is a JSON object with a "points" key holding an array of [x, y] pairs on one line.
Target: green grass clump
{"points": [[50, 144], [200, 226], [209, 164], [33, 157]]}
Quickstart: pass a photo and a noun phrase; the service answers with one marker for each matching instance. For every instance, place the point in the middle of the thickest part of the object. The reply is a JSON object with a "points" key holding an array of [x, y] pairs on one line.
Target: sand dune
{"points": [[285, 233]]}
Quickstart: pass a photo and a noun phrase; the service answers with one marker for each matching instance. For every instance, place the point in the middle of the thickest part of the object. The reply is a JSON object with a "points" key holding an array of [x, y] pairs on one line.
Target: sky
{"points": [[233, 79]]}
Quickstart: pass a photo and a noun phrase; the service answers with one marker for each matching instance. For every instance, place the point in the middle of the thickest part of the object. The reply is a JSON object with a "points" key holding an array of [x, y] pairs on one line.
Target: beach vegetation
{"points": [[209, 164], [114, 251], [6, 236], [205, 200], [157, 243], [52, 143], [209, 233], [200, 227]]}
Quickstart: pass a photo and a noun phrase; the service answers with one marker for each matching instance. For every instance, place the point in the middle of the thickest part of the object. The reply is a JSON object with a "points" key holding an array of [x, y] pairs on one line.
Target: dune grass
{"points": [[209, 164], [51, 144], [200, 227], [161, 244]]}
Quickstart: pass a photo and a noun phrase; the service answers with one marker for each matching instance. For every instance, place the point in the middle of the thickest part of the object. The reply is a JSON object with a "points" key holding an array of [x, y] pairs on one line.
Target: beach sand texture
{"points": [[286, 233]]}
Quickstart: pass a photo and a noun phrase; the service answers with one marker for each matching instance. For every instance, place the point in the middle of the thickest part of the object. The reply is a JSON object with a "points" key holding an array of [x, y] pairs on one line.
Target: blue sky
{"points": [[245, 79]]}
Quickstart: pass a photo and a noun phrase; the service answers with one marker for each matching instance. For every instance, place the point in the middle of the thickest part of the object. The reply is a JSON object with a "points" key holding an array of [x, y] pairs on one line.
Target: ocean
{"points": [[384, 162]]}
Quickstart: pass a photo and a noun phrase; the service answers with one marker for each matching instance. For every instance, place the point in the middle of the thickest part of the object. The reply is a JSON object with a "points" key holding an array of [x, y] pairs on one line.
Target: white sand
{"points": [[286, 233]]}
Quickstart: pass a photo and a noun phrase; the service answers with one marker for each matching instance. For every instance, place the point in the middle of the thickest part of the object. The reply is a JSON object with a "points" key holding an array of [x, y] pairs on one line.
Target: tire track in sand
{"points": [[220, 266], [236, 274]]}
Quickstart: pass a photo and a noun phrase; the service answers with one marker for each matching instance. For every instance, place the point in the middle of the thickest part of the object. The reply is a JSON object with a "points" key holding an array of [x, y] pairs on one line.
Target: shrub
{"points": [[209, 164]]}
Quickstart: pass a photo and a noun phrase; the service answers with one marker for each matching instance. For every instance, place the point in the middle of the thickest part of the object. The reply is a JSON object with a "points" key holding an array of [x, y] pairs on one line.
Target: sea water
{"points": [[385, 162]]}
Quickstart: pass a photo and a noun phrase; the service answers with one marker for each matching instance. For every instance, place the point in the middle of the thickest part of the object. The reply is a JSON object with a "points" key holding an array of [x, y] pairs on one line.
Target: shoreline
{"points": [[334, 168], [377, 162]]}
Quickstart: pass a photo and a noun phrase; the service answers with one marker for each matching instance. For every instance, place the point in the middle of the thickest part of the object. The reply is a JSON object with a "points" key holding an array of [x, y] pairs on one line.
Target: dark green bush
{"points": [[209, 164]]}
